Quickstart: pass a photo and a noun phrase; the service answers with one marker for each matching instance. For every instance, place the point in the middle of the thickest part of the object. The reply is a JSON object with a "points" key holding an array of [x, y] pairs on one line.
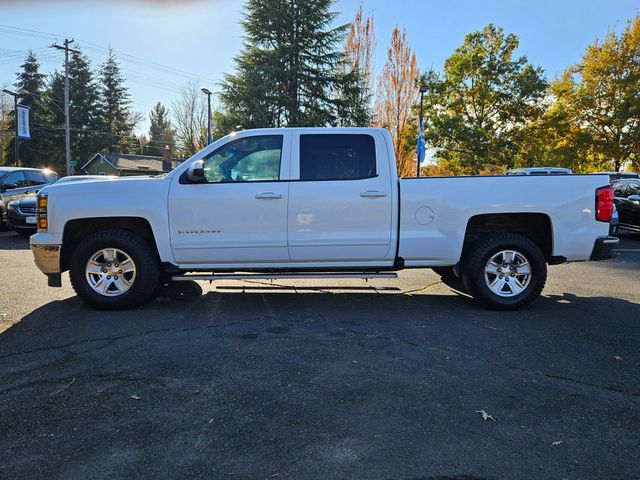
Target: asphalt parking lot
{"points": [[322, 379]]}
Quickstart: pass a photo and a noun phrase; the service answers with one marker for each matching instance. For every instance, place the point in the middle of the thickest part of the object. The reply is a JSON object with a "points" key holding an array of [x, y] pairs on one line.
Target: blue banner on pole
{"points": [[23, 122], [421, 144]]}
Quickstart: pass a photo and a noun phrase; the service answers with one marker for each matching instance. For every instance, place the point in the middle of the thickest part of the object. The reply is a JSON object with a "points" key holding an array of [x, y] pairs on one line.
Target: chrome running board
{"points": [[284, 275]]}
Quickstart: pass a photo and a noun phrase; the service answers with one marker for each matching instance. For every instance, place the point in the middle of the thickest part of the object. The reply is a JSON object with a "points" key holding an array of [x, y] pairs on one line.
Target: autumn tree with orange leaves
{"points": [[397, 94], [356, 72]]}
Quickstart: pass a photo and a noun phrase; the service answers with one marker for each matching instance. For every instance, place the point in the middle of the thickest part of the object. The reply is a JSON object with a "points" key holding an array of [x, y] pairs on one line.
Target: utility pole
{"points": [[67, 134]]}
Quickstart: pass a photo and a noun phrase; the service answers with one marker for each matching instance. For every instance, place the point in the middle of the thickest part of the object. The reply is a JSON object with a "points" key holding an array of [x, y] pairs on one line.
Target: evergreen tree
{"points": [[160, 131], [84, 109], [287, 73], [30, 85], [52, 130], [116, 117]]}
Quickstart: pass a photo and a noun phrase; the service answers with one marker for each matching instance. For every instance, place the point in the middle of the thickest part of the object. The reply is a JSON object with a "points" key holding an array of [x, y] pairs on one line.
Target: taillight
{"points": [[604, 204]]}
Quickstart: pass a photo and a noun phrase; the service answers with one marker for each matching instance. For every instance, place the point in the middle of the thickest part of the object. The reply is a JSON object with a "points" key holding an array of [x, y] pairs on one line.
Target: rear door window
{"points": [[337, 157]]}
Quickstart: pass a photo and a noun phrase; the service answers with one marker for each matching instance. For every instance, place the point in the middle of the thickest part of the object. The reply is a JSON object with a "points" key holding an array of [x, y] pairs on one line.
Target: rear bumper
{"points": [[603, 248]]}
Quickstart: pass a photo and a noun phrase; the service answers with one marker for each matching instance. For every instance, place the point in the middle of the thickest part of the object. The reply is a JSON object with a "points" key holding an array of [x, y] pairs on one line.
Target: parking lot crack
{"points": [[110, 340], [562, 378]]}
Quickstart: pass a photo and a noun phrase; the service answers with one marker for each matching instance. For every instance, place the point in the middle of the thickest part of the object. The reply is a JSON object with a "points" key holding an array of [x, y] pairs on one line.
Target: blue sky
{"points": [[197, 39]]}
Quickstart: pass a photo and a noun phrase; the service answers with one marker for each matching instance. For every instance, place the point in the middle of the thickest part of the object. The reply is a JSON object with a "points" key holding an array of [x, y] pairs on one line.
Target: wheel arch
{"points": [[77, 229], [537, 227]]}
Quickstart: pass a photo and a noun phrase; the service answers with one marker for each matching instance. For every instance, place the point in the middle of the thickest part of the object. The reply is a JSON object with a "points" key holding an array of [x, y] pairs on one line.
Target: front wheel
{"points": [[505, 271], [114, 269]]}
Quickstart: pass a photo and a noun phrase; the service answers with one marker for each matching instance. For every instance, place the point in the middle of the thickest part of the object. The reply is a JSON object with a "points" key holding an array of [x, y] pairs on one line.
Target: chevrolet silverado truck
{"points": [[319, 203]]}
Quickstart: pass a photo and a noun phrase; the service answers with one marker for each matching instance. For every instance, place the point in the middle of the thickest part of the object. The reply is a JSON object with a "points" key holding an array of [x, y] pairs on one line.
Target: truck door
{"points": [[239, 214], [340, 199]]}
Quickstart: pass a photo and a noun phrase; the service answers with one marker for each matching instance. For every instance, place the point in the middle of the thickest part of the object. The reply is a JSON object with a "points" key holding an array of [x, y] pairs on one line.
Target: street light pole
{"points": [[15, 123], [423, 89], [207, 92]]}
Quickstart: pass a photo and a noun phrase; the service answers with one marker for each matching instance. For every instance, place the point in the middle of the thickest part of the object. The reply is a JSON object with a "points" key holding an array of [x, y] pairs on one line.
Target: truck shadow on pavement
{"points": [[257, 308], [320, 385], [13, 241]]}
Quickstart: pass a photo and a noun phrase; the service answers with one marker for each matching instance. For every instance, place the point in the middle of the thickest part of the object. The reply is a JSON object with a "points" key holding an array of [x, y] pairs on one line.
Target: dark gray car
{"points": [[627, 200], [17, 182]]}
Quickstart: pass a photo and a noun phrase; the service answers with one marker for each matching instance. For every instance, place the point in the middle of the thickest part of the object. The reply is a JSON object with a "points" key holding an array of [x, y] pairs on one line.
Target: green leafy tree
{"points": [[555, 139], [601, 98], [288, 71], [478, 109], [161, 131]]}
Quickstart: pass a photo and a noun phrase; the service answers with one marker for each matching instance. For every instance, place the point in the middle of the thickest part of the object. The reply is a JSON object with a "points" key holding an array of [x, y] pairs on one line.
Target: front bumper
{"points": [[47, 258], [603, 248]]}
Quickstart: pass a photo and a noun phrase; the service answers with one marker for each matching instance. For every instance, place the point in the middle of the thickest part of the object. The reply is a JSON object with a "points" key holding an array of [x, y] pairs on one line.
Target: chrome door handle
{"points": [[269, 196], [372, 194]]}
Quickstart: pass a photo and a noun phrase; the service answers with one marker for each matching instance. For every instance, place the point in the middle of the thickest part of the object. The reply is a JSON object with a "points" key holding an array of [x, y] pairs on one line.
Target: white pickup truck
{"points": [[316, 202]]}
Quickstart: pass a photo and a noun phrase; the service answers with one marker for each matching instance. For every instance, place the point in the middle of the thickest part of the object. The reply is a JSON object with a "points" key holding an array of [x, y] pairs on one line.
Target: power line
{"points": [[100, 49], [54, 127]]}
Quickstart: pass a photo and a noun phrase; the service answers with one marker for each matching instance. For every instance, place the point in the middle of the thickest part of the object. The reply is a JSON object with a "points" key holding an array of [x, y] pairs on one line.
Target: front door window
{"points": [[251, 159]]}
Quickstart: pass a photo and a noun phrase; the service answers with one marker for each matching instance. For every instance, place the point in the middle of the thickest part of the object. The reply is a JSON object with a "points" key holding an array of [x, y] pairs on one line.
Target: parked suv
{"points": [[16, 183]]}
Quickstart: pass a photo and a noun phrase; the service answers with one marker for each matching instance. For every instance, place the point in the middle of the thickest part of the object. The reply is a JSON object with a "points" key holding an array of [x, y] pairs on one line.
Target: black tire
{"points": [[26, 233], [141, 253], [477, 257]]}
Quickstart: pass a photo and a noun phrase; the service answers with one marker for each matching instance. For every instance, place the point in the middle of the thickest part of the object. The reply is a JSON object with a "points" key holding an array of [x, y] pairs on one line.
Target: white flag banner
{"points": [[23, 122]]}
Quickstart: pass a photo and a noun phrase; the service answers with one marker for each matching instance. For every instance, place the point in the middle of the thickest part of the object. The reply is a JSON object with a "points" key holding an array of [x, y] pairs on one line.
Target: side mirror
{"points": [[195, 174]]}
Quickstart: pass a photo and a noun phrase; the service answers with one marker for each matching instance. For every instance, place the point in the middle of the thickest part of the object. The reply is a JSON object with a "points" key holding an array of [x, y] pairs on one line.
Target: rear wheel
{"points": [[505, 271], [114, 269]]}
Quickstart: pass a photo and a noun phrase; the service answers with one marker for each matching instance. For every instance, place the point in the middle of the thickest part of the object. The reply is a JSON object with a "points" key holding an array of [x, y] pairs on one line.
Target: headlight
{"points": [[41, 212], [13, 205]]}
